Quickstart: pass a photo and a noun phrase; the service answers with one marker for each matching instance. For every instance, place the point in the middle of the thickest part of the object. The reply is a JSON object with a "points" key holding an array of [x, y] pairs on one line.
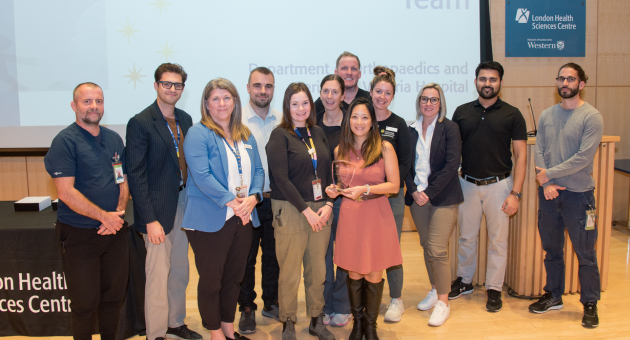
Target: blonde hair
{"points": [[238, 130], [437, 87]]}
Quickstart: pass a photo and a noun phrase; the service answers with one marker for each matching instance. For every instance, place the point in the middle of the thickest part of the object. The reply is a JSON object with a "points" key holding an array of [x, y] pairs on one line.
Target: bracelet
{"points": [[330, 205], [368, 190]]}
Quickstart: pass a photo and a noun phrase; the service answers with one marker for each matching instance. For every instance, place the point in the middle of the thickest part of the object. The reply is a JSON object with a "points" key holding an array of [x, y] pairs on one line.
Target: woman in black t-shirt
{"points": [[394, 130], [337, 305]]}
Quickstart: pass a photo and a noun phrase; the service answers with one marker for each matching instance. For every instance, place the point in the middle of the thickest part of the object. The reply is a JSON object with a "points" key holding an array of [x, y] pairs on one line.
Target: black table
{"points": [[623, 166], [33, 295]]}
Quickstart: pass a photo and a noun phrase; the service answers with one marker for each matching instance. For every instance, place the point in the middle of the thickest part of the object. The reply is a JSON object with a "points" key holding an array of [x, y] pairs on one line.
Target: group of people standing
{"points": [[317, 185]]}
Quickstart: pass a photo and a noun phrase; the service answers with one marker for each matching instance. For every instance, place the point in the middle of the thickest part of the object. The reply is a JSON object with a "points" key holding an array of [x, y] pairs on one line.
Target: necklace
{"points": [[355, 153]]}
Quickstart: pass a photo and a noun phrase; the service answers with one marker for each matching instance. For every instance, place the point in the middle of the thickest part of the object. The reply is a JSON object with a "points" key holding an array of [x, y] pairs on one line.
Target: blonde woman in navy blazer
{"points": [[434, 192], [222, 157]]}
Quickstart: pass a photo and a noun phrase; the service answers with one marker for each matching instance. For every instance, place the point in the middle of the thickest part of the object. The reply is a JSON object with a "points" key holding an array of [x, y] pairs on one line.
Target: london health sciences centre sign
{"points": [[545, 28]]}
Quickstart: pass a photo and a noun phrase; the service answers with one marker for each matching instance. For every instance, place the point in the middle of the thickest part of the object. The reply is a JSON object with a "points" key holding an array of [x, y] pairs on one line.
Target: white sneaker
{"points": [[327, 318], [428, 301], [340, 320], [441, 312], [395, 310]]}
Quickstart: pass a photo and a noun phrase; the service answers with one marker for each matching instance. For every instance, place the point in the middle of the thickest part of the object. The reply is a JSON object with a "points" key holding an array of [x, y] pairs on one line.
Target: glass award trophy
{"points": [[343, 173]]}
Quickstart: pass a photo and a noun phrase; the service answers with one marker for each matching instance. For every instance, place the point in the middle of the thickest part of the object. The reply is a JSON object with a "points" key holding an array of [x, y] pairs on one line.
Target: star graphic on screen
{"points": [[160, 4], [167, 51], [134, 75], [128, 31]]}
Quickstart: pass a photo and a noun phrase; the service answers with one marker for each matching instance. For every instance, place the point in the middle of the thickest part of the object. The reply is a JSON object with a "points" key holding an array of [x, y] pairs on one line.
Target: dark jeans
{"points": [[568, 211], [96, 268], [335, 290], [221, 265], [270, 270]]}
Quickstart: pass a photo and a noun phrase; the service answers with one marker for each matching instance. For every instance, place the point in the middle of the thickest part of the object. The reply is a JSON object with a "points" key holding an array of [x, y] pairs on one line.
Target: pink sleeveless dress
{"points": [[367, 239]]}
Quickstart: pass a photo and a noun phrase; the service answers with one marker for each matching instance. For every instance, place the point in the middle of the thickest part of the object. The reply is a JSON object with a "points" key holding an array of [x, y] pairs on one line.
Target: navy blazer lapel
{"points": [[160, 125], [183, 123], [436, 139]]}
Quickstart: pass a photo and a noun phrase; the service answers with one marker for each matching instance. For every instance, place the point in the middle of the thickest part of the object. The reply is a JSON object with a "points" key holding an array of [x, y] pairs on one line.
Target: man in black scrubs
{"points": [[348, 67], [83, 161]]}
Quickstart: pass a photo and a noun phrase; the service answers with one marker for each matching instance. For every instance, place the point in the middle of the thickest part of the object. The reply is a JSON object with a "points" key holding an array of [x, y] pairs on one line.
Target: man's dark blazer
{"points": [[153, 168], [446, 151]]}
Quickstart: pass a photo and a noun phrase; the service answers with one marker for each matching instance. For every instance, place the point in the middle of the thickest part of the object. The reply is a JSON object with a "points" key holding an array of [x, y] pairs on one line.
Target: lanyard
{"points": [[172, 135], [313, 153], [237, 154]]}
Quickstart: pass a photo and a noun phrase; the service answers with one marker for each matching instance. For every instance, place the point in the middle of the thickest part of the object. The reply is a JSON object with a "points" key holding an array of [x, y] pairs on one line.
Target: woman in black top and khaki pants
{"points": [[299, 172]]}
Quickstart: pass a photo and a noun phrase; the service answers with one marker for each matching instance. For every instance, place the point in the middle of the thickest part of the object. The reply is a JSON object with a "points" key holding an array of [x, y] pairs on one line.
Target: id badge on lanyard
{"points": [[241, 191], [317, 183], [118, 170]]}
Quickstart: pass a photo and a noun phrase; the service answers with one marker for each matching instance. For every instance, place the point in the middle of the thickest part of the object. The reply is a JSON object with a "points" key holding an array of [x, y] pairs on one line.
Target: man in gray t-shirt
{"points": [[569, 134]]}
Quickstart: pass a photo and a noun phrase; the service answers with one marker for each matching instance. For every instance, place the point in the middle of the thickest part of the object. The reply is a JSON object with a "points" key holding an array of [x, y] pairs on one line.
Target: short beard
{"points": [[489, 96], [89, 122], [574, 92], [262, 105]]}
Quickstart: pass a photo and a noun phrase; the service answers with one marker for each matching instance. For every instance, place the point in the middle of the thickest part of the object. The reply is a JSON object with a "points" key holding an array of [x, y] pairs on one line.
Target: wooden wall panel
{"points": [[542, 97], [614, 104], [536, 71], [39, 181], [13, 183], [613, 43]]}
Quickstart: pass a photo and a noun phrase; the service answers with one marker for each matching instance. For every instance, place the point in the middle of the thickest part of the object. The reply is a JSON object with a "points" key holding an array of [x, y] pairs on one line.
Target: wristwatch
{"points": [[517, 194], [257, 196]]}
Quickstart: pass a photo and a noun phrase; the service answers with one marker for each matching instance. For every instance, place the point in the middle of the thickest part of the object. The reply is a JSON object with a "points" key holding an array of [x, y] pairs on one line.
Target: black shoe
{"points": [[355, 295], [458, 288], [183, 332], [545, 304], [590, 318], [247, 323], [494, 303], [271, 311], [318, 329], [372, 296], [237, 337], [288, 330]]}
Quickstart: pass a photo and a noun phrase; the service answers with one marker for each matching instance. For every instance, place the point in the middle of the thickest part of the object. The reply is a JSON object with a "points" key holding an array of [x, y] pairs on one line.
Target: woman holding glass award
{"points": [[337, 306], [394, 130], [434, 193], [299, 171], [366, 170]]}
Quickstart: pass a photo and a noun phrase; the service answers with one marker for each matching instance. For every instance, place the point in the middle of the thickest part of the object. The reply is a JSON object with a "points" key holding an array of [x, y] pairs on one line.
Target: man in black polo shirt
{"points": [[488, 127], [85, 161], [348, 67]]}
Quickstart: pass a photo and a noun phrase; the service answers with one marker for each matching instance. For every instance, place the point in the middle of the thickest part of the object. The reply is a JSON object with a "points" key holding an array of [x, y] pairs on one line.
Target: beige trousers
{"points": [[435, 226], [296, 245]]}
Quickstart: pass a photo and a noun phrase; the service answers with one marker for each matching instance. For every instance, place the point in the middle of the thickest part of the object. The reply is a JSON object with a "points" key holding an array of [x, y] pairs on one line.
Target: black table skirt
{"points": [[33, 298]]}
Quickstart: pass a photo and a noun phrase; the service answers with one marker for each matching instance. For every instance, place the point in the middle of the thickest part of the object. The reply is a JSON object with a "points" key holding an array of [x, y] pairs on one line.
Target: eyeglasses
{"points": [[569, 79], [167, 85], [433, 100]]}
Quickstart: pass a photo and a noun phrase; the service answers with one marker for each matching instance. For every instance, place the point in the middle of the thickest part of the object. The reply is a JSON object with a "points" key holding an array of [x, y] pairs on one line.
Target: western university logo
{"points": [[560, 45], [522, 15]]}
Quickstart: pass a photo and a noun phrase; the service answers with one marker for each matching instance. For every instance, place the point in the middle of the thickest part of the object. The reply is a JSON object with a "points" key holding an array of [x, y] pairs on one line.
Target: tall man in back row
{"points": [[569, 134], [157, 177], [348, 67], [489, 128], [87, 164]]}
